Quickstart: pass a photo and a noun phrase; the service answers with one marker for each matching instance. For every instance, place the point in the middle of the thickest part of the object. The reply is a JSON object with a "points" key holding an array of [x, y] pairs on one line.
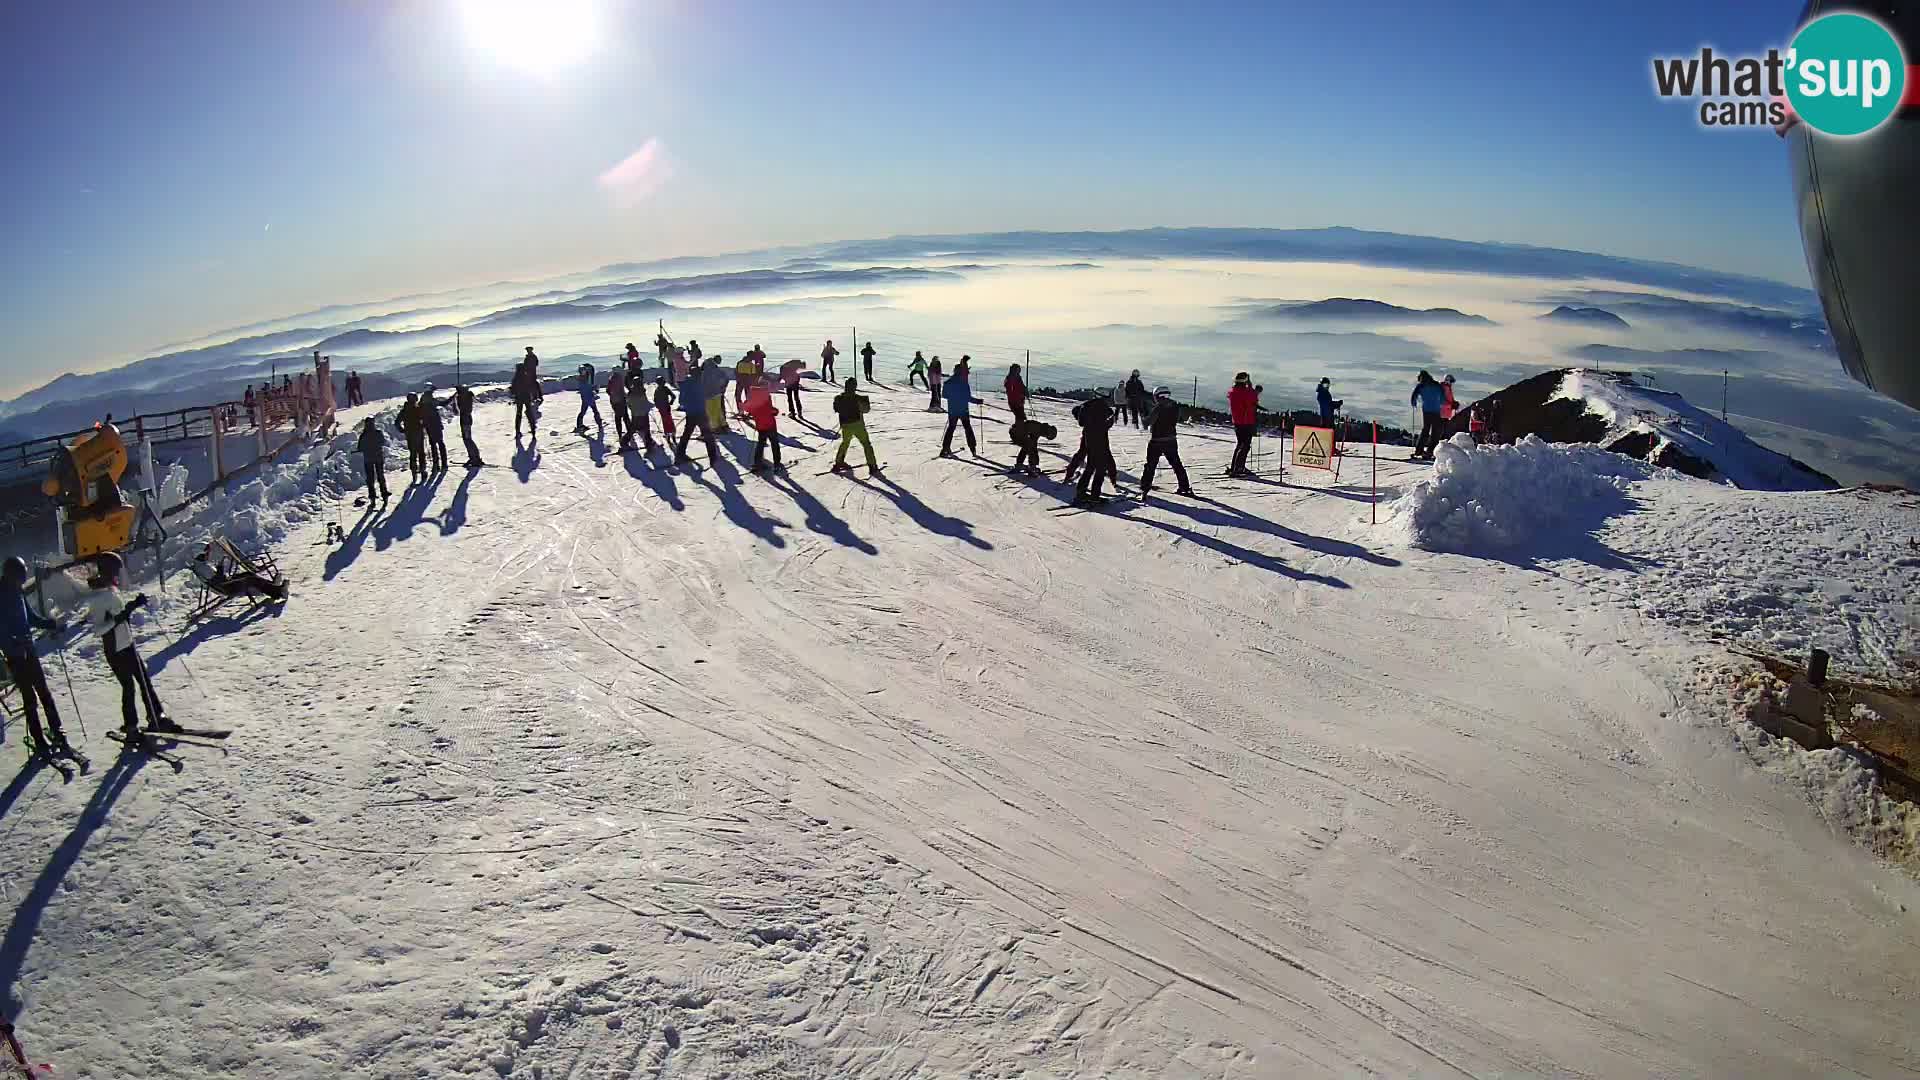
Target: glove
{"points": [[139, 601]]}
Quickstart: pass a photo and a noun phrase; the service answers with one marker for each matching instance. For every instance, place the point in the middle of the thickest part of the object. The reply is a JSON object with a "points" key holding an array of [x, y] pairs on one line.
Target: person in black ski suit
{"points": [[1080, 454], [463, 407], [373, 452], [1026, 434], [1163, 440], [434, 425], [866, 359], [17, 624], [1136, 404], [1096, 419], [525, 389], [413, 426]]}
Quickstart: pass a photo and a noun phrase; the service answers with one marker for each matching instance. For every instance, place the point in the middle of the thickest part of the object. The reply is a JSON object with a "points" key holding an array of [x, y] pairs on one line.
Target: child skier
{"points": [[589, 401], [1026, 434], [663, 401], [1163, 440], [766, 417], [917, 369]]}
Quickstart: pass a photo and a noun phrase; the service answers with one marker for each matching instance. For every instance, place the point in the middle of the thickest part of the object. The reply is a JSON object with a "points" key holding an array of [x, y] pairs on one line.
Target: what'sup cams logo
{"points": [[1845, 74]]}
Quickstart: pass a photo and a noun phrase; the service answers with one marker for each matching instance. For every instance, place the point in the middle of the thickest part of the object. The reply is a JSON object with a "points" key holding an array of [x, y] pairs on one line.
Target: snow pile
{"points": [[1781, 571], [1527, 497], [1670, 431], [262, 508], [1840, 782]]}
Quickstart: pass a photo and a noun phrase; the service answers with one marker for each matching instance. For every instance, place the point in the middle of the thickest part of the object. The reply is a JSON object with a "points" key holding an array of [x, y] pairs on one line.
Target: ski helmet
{"points": [[14, 570], [1161, 391], [109, 565]]}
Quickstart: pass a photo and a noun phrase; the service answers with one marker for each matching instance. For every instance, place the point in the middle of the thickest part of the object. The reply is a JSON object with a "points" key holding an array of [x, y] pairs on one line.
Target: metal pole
{"points": [[1723, 395], [1195, 402], [1376, 472]]}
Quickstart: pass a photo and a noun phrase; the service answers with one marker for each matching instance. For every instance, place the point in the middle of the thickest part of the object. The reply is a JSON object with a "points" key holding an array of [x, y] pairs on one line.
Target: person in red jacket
{"points": [[1452, 406], [1243, 401], [766, 418], [1016, 394]]}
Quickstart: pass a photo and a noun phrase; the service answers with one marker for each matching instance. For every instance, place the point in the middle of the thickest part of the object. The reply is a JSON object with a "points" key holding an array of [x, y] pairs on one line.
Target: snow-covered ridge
{"points": [[1664, 428]]}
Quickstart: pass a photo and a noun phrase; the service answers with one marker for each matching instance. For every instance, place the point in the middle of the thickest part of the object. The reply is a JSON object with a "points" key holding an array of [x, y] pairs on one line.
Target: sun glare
{"points": [[534, 35]]}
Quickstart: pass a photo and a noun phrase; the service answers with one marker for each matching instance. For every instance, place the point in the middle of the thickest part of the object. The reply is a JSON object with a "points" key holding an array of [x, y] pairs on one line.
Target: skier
{"points": [[632, 355], [356, 390], [693, 405], [1080, 455], [640, 412], [790, 378], [1095, 420], [373, 450], [766, 420], [525, 390], [409, 423], [108, 614], [933, 384], [589, 401], [663, 401], [1136, 399], [827, 353], [960, 399], [1451, 407], [431, 423], [917, 369], [617, 404], [744, 380], [463, 407], [533, 365], [1432, 398], [663, 345], [1016, 394], [682, 371], [1026, 434], [224, 580], [1163, 440], [866, 359], [1243, 402], [851, 407], [693, 352], [17, 623], [1328, 406], [717, 378], [1477, 424]]}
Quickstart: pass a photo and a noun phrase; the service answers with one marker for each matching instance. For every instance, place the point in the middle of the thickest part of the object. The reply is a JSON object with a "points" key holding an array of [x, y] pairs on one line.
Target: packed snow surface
{"points": [[577, 767]]}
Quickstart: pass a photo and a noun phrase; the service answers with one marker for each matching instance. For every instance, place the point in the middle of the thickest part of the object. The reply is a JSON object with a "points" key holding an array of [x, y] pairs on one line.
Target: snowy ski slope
{"points": [[573, 767]]}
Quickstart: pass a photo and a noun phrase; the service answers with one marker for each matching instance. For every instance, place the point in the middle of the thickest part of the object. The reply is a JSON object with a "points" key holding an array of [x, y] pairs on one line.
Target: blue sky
{"points": [[174, 169]]}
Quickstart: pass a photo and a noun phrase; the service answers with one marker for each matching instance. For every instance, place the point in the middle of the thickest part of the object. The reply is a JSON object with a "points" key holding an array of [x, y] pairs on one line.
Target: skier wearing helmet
{"points": [[1163, 441], [17, 624], [109, 613]]}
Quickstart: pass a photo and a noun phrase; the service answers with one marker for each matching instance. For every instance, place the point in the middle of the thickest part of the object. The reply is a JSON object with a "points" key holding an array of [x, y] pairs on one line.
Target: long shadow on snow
{"points": [[215, 625], [1270, 563], [408, 512], [733, 502], [343, 556], [819, 518], [1236, 518], [455, 515], [28, 912], [21, 781], [925, 516], [526, 457], [640, 466]]}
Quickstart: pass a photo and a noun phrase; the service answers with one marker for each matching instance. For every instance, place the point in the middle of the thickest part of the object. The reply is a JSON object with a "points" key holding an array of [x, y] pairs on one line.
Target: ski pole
{"points": [[59, 651]]}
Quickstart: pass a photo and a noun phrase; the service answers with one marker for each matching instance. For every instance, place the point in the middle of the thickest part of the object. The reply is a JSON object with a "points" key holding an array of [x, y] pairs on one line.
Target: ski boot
{"points": [[162, 725]]}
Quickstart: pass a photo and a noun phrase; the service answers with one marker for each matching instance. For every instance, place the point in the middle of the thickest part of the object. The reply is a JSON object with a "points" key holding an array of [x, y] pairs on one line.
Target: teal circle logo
{"points": [[1846, 74]]}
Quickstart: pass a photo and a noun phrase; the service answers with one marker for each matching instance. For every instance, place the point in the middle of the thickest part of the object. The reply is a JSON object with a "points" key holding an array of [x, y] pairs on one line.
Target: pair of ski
{"points": [[149, 740], [60, 761]]}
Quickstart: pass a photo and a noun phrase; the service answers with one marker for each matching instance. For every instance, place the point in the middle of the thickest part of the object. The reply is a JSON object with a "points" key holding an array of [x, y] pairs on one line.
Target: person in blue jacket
{"points": [[589, 401], [1328, 406], [958, 390], [1432, 399], [17, 624], [693, 406]]}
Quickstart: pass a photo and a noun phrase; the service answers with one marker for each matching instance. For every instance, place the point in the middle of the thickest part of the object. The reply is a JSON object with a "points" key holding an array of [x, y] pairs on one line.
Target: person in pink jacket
{"points": [[1447, 410]]}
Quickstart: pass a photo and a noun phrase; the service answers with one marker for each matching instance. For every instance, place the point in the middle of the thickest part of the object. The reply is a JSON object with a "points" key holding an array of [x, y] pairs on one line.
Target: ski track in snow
{"points": [[580, 768]]}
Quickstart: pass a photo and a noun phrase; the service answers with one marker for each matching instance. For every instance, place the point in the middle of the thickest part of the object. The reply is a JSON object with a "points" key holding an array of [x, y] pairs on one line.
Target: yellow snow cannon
{"points": [[85, 479]]}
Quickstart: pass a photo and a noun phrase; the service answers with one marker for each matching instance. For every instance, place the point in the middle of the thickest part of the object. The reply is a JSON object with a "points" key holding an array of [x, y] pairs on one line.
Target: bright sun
{"points": [[536, 35]]}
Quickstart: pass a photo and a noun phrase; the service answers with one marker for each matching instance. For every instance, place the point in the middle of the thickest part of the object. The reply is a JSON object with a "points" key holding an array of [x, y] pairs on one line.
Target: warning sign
{"points": [[1313, 447]]}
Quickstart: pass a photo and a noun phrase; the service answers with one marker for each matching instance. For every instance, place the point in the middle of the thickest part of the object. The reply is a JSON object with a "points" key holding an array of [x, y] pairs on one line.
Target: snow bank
{"points": [[1528, 498], [1675, 424]]}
